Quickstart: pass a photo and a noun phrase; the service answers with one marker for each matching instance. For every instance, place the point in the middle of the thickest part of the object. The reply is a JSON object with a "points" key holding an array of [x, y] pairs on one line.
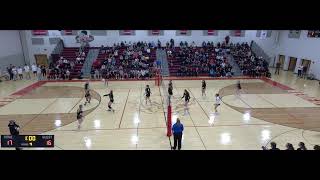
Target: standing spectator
{"points": [[39, 73], [20, 71], [44, 71], [301, 146], [300, 70], [14, 131], [277, 68], [171, 43], [27, 71], [9, 70], [34, 70], [177, 129], [15, 73]]}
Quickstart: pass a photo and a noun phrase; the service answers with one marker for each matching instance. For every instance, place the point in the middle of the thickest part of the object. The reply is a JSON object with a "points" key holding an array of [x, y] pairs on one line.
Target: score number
{"points": [[30, 138]]}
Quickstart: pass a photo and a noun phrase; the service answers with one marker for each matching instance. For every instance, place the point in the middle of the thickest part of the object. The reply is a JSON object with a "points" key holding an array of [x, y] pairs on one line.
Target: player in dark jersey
{"points": [[204, 87], [79, 116], [87, 96], [86, 86], [238, 90], [170, 84], [147, 93], [111, 100], [186, 97]]}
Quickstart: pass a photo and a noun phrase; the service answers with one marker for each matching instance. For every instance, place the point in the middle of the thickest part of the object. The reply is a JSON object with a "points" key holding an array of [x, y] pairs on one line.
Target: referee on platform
{"points": [[177, 129]]}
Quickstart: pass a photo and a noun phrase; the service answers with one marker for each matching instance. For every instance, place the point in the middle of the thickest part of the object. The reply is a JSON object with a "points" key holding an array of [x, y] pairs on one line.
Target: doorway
{"points": [[292, 63], [41, 59], [307, 63], [281, 60]]}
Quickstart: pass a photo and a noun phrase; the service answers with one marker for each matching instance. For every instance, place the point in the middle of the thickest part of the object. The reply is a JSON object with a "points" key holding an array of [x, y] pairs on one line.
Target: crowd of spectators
{"points": [[125, 61], [248, 62], [289, 146], [209, 59], [26, 72], [62, 68]]}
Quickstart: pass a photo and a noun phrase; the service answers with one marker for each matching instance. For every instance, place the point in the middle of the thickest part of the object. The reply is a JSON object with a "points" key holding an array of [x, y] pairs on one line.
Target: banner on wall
{"points": [[183, 32], [211, 32], [263, 34], [127, 32], [39, 32], [237, 32], [155, 32], [68, 32]]}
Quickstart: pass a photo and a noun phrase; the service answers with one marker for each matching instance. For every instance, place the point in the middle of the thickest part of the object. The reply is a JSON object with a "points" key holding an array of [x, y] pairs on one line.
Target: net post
{"points": [[158, 77]]}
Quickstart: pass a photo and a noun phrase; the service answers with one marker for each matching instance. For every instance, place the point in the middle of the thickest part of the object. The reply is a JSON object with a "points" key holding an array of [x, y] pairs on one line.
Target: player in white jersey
{"points": [[217, 103], [20, 71], [34, 69], [27, 71]]}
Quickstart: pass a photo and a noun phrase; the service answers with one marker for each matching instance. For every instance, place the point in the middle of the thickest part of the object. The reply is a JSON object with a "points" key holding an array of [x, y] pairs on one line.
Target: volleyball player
{"points": [[204, 86], [170, 84], [186, 97], [218, 101], [86, 86], [80, 116], [238, 90], [147, 94], [111, 100], [88, 97]]}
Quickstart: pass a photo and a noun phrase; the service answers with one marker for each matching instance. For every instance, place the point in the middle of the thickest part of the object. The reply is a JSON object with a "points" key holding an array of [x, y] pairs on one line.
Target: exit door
{"points": [[292, 63]]}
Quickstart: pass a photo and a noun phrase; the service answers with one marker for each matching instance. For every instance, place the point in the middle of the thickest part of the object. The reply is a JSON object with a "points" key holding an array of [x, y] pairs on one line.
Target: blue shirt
{"points": [[177, 128]]}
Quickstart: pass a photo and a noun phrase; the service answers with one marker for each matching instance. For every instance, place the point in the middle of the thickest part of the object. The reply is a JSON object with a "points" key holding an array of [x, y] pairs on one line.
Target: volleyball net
{"points": [[166, 101]]}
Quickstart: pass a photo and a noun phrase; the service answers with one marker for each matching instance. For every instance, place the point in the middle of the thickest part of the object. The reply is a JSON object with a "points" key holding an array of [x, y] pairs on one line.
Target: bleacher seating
{"points": [[109, 52], [203, 59], [70, 53]]}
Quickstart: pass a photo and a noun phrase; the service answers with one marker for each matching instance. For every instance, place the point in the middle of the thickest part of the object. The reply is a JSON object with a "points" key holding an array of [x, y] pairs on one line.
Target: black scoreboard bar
{"points": [[27, 141]]}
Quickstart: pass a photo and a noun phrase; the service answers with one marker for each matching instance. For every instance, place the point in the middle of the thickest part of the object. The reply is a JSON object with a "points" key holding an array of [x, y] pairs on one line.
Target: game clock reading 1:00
{"points": [[27, 141]]}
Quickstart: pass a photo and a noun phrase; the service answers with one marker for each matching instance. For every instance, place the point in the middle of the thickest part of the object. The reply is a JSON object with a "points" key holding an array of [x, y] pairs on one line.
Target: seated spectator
{"points": [[301, 146], [273, 146], [67, 74], [96, 74], [193, 44], [289, 146]]}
